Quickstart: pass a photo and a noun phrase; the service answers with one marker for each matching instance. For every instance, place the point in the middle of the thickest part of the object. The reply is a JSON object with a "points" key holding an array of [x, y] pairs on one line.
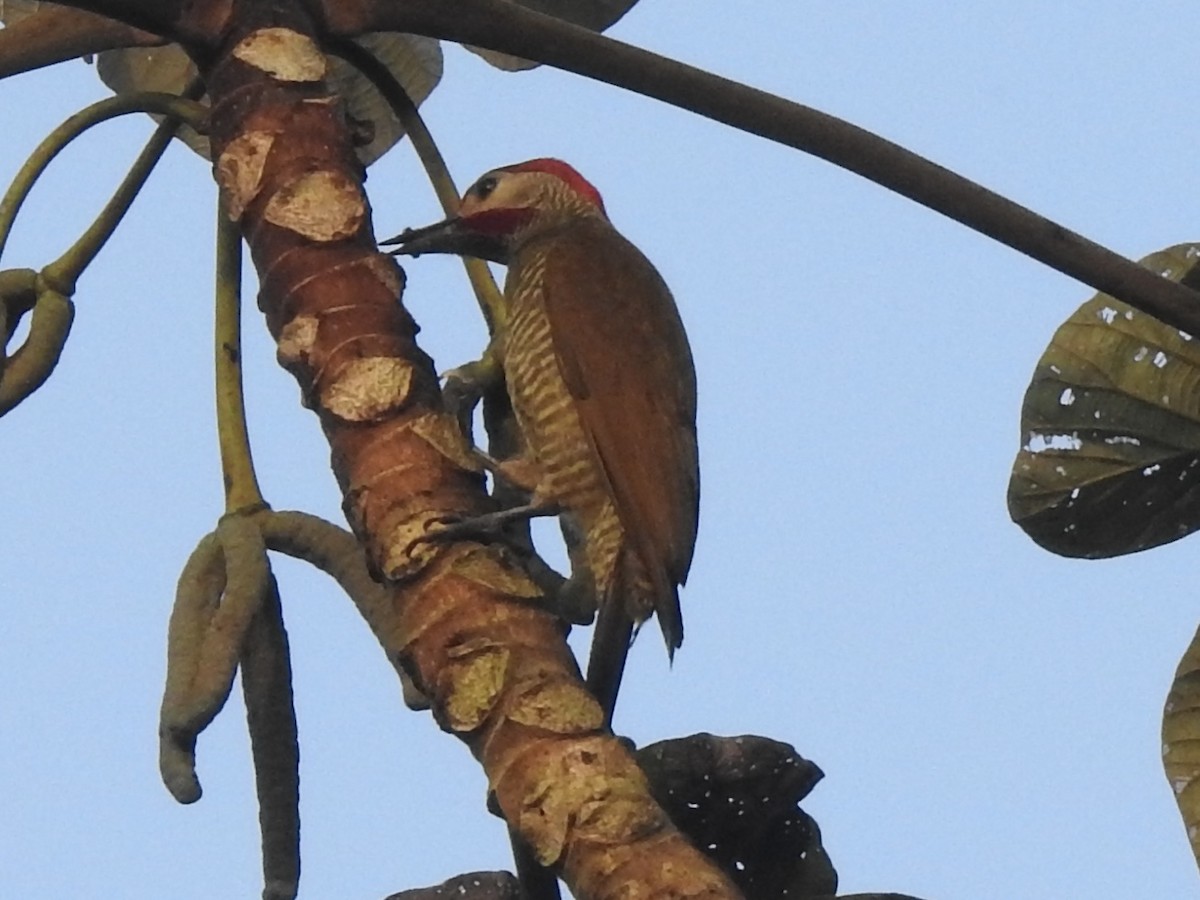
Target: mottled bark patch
{"points": [[407, 550], [239, 169], [297, 339], [388, 271], [471, 683], [283, 54], [366, 390], [321, 206]]}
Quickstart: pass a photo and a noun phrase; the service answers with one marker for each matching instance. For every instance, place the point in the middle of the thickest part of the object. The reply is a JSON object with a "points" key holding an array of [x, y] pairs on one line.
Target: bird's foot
{"points": [[464, 386], [488, 528], [575, 600]]}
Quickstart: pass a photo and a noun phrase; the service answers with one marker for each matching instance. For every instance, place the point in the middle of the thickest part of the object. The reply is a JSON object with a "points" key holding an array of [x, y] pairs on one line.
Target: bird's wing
{"points": [[625, 358]]}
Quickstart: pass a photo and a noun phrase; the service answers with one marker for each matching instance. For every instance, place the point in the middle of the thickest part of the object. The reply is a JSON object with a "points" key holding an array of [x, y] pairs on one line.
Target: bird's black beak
{"points": [[447, 236]]}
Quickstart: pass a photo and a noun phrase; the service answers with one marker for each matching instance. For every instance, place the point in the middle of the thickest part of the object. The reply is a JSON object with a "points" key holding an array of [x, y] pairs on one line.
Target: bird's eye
{"points": [[484, 187]]}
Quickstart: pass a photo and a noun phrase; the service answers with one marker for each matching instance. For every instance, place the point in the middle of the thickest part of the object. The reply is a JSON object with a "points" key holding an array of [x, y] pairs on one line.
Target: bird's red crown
{"points": [[564, 172]]}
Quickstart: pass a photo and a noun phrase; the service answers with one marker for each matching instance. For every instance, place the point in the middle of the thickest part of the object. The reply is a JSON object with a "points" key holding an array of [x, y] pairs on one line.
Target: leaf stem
{"points": [[242, 492], [172, 105], [64, 272], [491, 301]]}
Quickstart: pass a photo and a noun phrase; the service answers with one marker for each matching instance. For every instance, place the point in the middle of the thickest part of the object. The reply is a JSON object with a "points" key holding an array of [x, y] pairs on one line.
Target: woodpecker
{"points": [[601, 379]]}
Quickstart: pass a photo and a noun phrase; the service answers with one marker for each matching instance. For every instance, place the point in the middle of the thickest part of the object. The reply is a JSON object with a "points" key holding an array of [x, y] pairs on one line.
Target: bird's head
{"points": [[504, 208]]}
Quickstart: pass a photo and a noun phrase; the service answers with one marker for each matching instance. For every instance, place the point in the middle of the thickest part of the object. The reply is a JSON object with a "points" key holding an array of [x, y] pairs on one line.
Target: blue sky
{"points": [[987, 715]]}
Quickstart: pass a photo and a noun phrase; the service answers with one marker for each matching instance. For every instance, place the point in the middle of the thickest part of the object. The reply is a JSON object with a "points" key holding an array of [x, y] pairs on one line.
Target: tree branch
{"points": [[55, 34], [495, 666], [503, 26], [176, 20]]}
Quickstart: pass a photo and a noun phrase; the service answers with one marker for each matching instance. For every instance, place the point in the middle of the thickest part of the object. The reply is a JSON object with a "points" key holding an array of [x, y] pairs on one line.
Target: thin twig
{"points": [[189, 111], [65, 271]]}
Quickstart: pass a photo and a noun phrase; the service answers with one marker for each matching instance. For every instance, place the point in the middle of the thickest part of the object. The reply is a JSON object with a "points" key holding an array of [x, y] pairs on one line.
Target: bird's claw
{"points": [[485, 529]]}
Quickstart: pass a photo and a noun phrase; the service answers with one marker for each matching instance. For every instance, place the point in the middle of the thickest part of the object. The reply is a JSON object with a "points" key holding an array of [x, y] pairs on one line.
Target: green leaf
{"points": [[1110, 429]]}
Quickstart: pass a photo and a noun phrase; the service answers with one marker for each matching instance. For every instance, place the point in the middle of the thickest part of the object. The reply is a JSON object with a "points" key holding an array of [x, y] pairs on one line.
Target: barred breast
{"points": [[545, 410]]}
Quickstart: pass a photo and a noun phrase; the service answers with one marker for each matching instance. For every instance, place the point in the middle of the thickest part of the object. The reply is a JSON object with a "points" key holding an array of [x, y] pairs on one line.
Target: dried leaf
{"points": [[594, 14], [415, 61], [32, 363], [1110, 429], [266, 667], [737, 799], [184, 714], [220, 591]]}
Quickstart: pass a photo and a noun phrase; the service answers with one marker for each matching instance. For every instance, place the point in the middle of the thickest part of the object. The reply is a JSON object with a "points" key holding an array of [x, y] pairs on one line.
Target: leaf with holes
{"points": [[473, 886], [1110, 429], [738, 800]]}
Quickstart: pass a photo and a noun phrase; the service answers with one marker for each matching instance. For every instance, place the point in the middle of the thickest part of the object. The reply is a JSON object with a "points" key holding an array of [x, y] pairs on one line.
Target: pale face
{"points": [[499, 189], [505, 208], [513, 204]]}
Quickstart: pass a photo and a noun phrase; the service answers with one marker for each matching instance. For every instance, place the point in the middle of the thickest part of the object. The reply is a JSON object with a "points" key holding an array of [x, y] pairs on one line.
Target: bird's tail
{"points": [[610, 648], [630, 599], [670, 616]]}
